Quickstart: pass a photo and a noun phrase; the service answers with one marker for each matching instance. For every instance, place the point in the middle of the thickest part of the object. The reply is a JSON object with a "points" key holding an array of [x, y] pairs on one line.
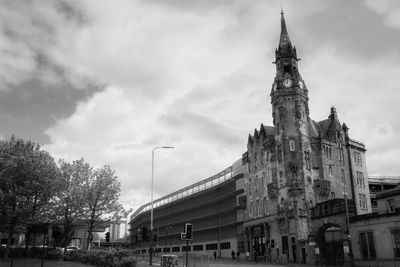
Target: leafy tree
{"points": [[101, 190], [66, 203], [28, 179]]}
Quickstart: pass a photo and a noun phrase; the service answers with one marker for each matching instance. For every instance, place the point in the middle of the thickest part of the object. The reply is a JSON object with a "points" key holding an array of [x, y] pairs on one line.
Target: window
{"points": [[279, 153], [249, 184], [340, 153], [226, 245], [176, 249], [212, 246], [367, 245], [343, 177], [198, 247], [329, 152], [263, 179], [363, 201], [332, 194], [292, 145], [166, 249], [265, 205], [396, 242], [258, 207], [267, 176], [357, 158], [241, 246], [360, 179], [251, 209], [184, 248], [330, 171], [307, 159], [390, 205], [256, 183]]}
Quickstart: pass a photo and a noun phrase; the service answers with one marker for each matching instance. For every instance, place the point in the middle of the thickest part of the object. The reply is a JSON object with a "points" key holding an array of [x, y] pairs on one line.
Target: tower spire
{"points": [[284, 39]]}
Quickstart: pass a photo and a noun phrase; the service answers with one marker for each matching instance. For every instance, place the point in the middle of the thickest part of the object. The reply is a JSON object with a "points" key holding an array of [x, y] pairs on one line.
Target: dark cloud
{"points": [[351, 27], [71, 13], [31, 107]]}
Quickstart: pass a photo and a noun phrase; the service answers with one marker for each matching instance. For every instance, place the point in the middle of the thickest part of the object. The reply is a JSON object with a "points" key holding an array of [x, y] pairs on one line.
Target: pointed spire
{"points": [[284, 39]]}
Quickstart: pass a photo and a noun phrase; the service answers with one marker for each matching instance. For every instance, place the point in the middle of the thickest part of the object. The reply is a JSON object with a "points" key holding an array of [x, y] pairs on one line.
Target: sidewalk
{"points": [[228, 263]]}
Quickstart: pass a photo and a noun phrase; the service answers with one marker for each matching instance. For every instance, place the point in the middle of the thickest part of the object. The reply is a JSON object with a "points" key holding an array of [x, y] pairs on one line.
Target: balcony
{"points": [[322, 187], [333, 207]]}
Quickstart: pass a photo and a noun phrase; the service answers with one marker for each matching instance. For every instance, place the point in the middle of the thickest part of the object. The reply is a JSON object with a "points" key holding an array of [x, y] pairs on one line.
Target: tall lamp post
{"points": [[152, 206], [348, 226]]}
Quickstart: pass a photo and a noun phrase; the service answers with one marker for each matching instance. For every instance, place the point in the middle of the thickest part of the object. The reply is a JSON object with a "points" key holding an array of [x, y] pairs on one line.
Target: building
{"points": [[377, 235], [299, 173], [214, 206], [379, 184], [289, 197], [118, 230]]}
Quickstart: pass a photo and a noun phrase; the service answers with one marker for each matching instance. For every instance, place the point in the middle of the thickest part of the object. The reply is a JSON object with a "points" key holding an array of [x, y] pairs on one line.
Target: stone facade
{"points": [[293, 166], [376, 236]]}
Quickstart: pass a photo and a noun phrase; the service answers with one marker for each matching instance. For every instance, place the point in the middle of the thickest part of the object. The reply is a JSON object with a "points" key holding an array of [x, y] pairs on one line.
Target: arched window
{"points": [[292, 145]]}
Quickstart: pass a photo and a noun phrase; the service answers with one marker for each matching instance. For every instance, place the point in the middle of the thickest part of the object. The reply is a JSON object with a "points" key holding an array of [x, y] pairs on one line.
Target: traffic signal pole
{"points": [[187, 249]]}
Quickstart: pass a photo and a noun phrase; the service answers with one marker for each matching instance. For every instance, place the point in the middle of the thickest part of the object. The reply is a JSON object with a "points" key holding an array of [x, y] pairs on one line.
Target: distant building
{"points": [[118, 230], [376, 236], [379, 184]]}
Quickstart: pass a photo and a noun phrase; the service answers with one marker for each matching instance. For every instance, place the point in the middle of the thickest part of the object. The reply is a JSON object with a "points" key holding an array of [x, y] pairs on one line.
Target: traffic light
{"points": [[108, 237], [188, 230]]}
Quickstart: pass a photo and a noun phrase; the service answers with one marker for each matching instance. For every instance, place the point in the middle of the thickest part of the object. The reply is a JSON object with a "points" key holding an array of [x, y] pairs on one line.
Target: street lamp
{"points": [[348, 226], [152, 206]]}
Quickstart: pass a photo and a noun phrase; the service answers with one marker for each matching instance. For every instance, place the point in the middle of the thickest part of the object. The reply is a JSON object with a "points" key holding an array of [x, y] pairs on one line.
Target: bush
{"points": [[121, 258]]}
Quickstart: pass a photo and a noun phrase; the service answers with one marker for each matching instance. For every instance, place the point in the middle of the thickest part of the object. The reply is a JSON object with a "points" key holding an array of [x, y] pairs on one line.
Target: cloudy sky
{"points": [[110, 80]]}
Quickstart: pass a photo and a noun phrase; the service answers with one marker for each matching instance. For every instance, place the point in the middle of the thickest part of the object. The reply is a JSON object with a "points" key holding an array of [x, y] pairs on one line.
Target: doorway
{"points": [[334, 253]]}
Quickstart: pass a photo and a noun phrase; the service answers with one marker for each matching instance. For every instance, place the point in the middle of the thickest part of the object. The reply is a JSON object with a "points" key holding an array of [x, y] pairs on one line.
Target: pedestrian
{"points": [[233, 254], [237, 255], [215, 255], [247, 255]]}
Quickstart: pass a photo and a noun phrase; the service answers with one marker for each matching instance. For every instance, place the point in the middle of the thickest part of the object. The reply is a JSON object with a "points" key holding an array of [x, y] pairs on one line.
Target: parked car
{"points": [[72, 248]]}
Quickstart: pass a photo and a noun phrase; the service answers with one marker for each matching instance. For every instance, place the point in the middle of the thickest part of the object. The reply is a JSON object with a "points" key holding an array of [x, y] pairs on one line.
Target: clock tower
{"points": [[289, 99]]}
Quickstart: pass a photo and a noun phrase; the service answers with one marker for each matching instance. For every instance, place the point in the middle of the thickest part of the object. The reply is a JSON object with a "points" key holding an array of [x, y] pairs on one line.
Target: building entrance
{"points": [[258, 243], [333, 249]]}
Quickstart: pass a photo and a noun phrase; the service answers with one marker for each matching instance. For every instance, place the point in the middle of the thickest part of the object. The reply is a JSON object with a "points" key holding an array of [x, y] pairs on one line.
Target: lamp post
{"points": [[348, 226], [152, 206]]}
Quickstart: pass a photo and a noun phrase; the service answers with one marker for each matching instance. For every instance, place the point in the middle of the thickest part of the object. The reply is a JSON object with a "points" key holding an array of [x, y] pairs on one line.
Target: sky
{"points": [[110, 80]]}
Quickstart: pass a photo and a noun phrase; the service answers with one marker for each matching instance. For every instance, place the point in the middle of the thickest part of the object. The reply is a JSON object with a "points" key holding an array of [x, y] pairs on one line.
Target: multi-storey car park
{"points": [[215, 208]]}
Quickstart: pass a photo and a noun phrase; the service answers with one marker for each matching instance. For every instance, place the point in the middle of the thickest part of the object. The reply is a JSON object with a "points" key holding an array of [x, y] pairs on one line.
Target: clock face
{"points": [[301, 84], [287, 82]]}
